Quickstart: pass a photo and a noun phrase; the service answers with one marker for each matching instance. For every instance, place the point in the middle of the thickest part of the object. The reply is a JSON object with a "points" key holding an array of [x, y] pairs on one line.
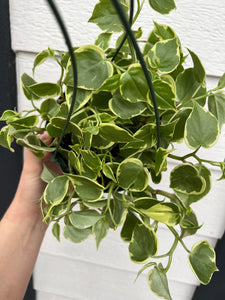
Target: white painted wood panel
{"points": [[89, 281], [199, 24], [119, 257]]}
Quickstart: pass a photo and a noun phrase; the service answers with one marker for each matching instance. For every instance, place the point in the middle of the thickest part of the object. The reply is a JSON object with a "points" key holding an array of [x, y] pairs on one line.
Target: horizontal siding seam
{"points": [[57, 295], [111, 267]]}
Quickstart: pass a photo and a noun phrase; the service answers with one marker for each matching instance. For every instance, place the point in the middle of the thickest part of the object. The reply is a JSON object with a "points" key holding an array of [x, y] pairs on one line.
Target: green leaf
{"points": [[97, 204], [164, 56], [216, 104], [103, 40], [188, 198], [163, 32], [26, 81], [100, 100], [53, 131], [162, 6], [189, 225], [76, 235], [167, 213], [158, 283], [202, 261], [100, 143], [60, 122], [84, 219], [125, 109], [164, 95], [100, 230], [108, 172], [133, 84], [8, 115], [187, 85], [34, 144], [82, 97], [201, 128], [56, 190], [160, 159], [45, 89], [25, 122], [146, 138], [111, 83], [199, 70], [56, 231], [185, 178], [92, 160], [6, 139], [47, 174], [87, 189], [221, 83], [144, 268], [49, 108], [92, 67], [117, 208], [181, 116], [143, 245], [105, 16], [138, 175], [42, 56], [114, 133], [128, 227]]}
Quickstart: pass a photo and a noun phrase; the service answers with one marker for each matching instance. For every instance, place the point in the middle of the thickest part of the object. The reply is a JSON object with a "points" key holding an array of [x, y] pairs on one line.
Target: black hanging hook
{"points": [[129, 32], [126, 35], [74, 68]]}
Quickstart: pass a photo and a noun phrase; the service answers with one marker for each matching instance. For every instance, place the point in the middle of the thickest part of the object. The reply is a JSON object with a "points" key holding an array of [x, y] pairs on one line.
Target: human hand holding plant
{"points": [[21, 228]]}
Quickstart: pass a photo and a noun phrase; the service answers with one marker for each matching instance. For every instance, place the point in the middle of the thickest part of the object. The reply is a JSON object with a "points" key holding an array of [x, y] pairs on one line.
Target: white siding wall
{"points": [[66, 271]]}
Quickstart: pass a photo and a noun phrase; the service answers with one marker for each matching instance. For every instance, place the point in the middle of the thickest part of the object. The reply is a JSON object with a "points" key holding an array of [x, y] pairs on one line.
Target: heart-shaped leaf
{"points": [[201, 129], [216, 103], [90, 61], [158, 283], [76, 235], [164, 56], [143, 245], [87, 189], [84, 219], [105, 16], [185, 178], [202, 261], [133, 84], [56, 190], [138, 175]]}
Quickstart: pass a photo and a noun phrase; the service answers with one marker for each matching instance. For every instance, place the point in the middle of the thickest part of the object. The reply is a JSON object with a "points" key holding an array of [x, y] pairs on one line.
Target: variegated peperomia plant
{"points": [[109, 155]]}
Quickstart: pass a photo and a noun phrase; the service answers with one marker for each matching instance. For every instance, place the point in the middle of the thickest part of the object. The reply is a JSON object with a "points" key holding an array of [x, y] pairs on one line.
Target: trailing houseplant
{"points": [[113, 150]]}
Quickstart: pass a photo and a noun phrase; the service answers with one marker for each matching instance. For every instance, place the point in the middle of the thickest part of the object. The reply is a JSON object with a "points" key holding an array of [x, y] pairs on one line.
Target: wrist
{"points": [[24, 213]]}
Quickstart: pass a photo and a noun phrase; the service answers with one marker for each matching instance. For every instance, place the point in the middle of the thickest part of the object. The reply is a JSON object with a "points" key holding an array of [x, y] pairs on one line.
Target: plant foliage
{"points": [[109, 156]]}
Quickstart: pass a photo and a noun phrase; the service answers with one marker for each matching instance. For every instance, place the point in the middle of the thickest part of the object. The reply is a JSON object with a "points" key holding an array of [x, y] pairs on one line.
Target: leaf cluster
{"points": [[109, 156]]}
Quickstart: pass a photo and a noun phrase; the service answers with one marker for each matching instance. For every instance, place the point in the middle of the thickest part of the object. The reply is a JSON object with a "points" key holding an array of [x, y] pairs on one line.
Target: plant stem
{"points": [[183, 158], [209, 93], [108, 202], [166, 194], [179, 238], [35, 107], [139, 8]]}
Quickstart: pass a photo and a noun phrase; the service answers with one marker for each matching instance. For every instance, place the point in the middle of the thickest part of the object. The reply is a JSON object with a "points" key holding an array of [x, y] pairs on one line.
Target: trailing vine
{"points": [[114, 147]]}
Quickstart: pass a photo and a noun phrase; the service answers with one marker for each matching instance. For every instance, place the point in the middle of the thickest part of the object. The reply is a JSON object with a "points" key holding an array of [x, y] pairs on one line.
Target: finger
{"points": [[46, 138]]}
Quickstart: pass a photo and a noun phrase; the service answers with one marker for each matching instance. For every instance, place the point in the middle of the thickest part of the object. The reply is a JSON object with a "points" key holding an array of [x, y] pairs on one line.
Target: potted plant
{"points": [[115, 147]]}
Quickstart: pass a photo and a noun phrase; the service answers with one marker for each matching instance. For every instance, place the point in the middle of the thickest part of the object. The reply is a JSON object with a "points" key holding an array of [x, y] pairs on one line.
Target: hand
{"points": [[31, 187], [22, 229]]}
